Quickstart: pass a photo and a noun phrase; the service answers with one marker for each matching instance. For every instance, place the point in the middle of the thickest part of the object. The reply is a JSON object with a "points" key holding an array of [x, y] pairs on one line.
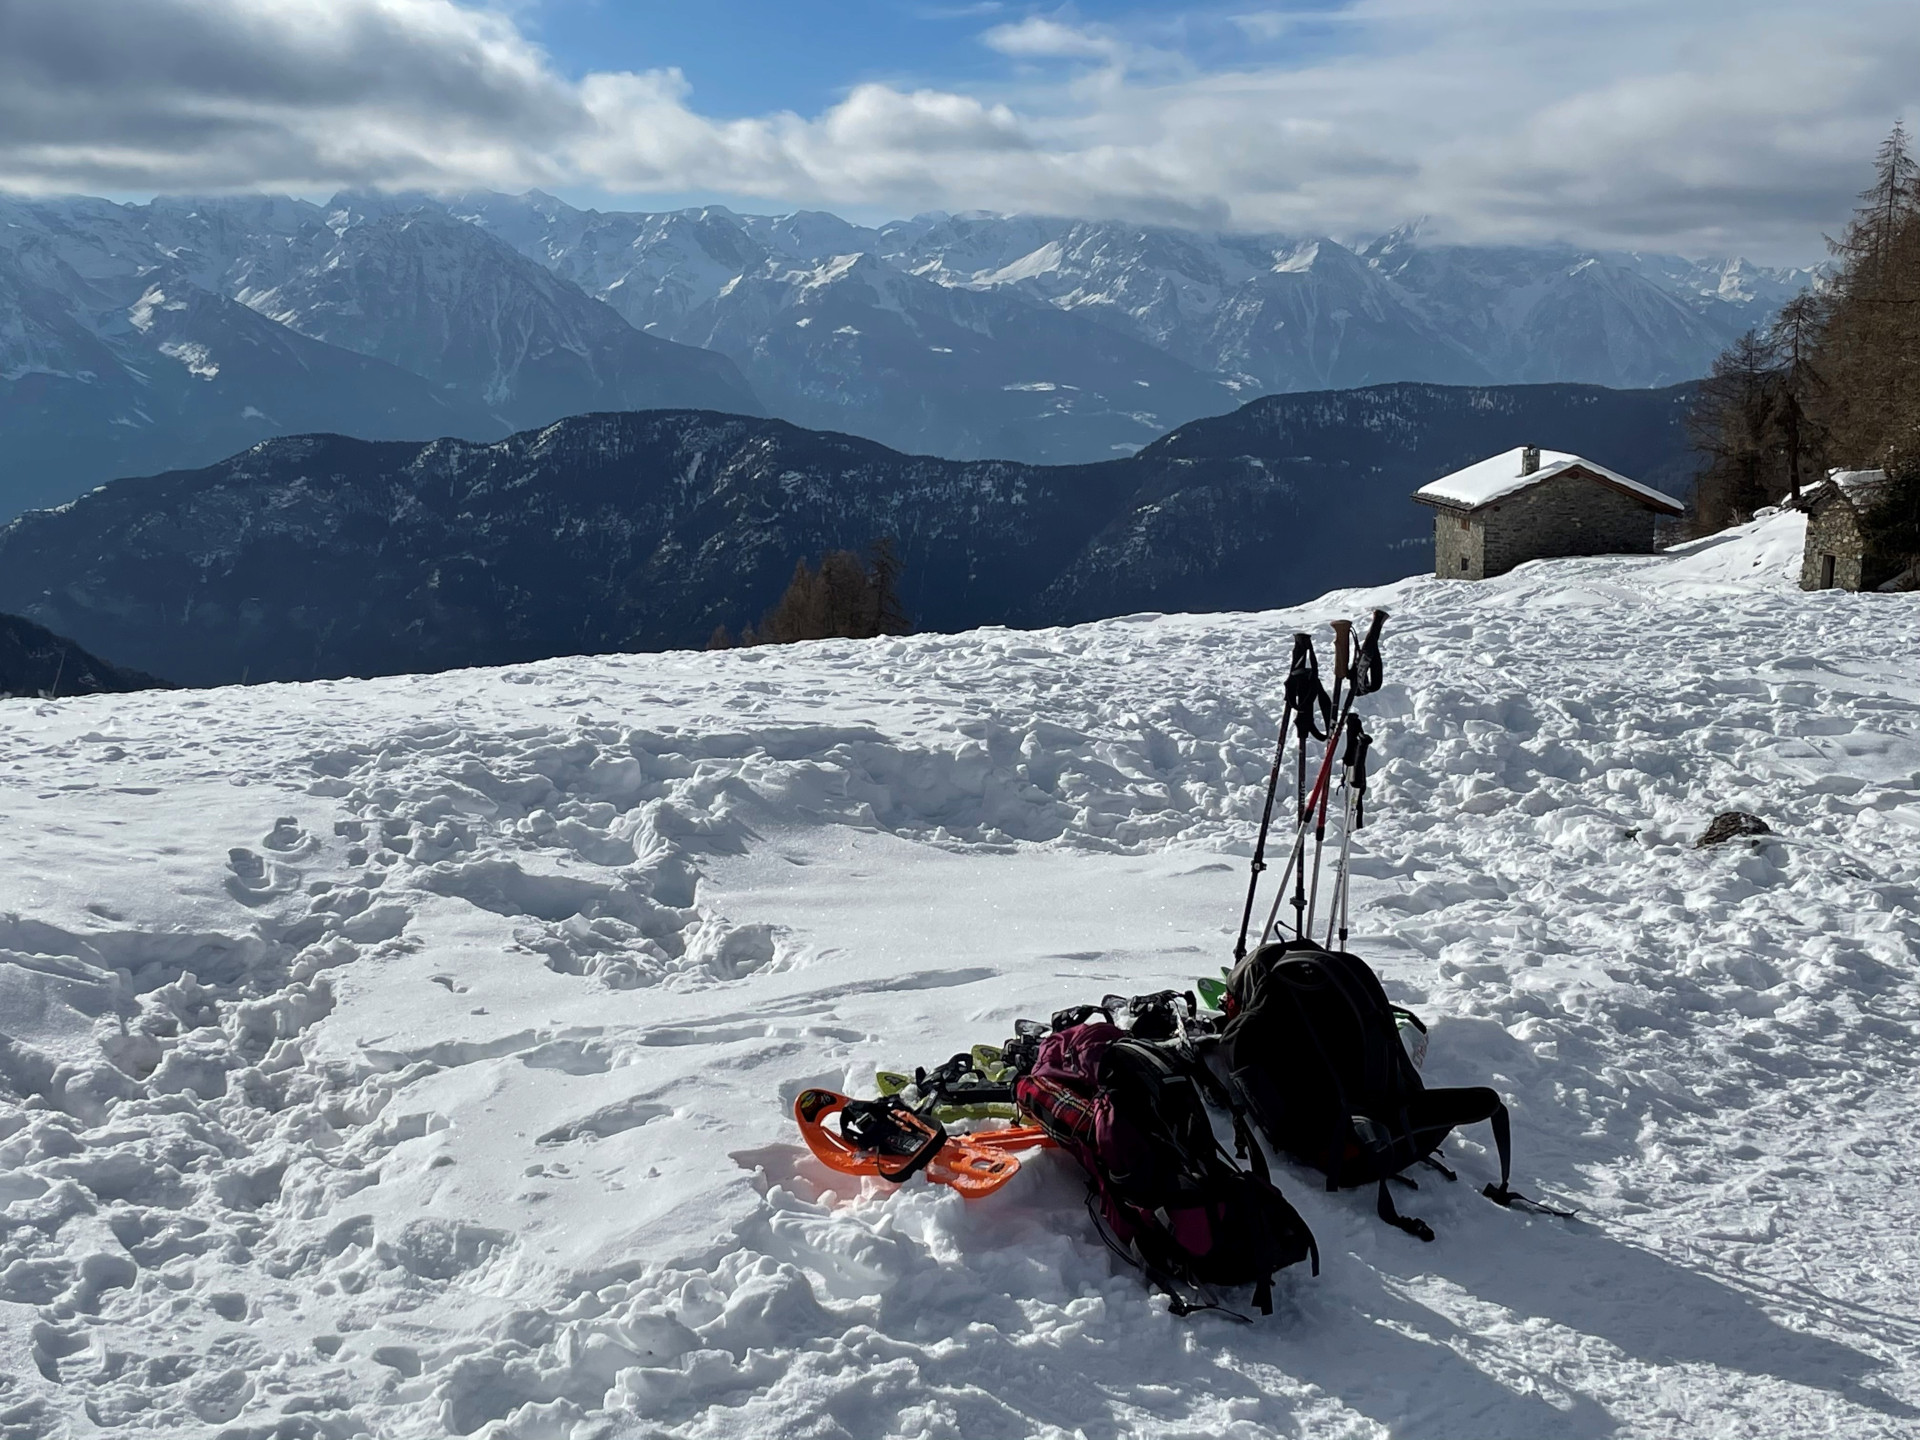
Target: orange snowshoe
{"points": [[888, 1140]]}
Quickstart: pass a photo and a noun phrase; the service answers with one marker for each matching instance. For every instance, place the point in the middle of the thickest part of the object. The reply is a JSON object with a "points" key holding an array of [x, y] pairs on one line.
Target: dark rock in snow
{"points": [[1731, 825]]}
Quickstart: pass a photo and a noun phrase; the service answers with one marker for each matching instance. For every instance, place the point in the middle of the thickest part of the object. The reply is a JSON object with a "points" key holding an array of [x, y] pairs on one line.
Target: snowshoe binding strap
{"points": [[1019, 1055], [889, 1127], [959, 1082], [1079, 1015], [1159, 1016]]}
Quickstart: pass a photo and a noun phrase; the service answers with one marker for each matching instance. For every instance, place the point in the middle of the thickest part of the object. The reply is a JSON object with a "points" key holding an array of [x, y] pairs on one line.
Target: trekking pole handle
{"points": [[1368, 670], [1342, 651]]}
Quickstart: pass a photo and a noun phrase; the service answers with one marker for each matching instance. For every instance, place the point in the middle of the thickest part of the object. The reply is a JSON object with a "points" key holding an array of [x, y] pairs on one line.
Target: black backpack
{"points": [[1164, 1193], [1314, 1046]]}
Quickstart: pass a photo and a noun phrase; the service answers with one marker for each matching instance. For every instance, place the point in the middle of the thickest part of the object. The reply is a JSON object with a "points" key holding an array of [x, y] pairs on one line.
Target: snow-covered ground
{"points": [[412, 1057]]}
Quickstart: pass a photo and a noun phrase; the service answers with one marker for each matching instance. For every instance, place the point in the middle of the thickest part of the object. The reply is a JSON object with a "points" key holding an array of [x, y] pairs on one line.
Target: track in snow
{"points": [[410, 1057]]}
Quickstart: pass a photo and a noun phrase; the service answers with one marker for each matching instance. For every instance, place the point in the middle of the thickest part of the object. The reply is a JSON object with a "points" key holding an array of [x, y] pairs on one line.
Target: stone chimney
{"points": [[1529, 459]]}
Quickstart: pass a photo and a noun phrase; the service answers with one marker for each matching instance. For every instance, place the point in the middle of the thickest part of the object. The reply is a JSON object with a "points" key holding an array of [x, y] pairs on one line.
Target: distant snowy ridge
{"points": [[1265, 313], [413, 1056], [142, 338], [963, 336]]}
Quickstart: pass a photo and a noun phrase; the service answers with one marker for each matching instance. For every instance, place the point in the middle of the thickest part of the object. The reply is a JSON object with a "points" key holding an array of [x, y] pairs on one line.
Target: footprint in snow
{"points": [[289, 840], [253, 879]]}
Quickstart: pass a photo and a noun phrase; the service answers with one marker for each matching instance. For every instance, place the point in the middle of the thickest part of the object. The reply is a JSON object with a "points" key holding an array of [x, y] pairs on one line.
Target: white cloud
{"points": [[1037, 38], [159, 94], [1710, 125]]}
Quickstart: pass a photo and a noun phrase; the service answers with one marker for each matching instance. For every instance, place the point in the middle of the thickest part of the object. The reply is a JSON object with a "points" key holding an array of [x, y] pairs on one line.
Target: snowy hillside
{"points": [[411, 1057]]}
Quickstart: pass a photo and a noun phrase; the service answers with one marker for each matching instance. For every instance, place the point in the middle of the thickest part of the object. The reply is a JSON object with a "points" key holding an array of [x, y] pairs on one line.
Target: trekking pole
{"points": [[1346, 822], [1367, 673], [1364, 672], [1298, 666], [1342, 655], [1354, 783], [1319, 835], [1304, 729], [1296, 852], [1300, 823], [1342, 658]]}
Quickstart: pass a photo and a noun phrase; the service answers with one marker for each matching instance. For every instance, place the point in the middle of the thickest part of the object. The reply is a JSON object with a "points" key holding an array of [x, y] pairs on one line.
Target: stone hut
{"points": [[1528, 504], [1837, 556]]}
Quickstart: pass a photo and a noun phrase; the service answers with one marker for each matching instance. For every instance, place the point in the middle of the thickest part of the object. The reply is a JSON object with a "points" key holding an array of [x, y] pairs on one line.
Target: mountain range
{"points": [[321, 556], [807, 298], [136, 338], [140, 337]]}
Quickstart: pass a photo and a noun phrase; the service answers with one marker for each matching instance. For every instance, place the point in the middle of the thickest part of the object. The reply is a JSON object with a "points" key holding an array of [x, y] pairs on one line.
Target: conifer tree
{"points": [[890, 615], [1836, 379], [1733, 426], [1800, 389], [1870, 346], [844, 598]]}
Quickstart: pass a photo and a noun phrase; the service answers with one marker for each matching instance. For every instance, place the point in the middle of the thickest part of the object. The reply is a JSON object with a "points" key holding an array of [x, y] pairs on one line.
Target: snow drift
{"points": [[411, 1057]]}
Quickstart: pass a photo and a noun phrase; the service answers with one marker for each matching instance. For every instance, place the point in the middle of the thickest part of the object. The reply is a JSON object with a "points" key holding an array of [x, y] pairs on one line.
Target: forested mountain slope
{"points": [[319, 556]]}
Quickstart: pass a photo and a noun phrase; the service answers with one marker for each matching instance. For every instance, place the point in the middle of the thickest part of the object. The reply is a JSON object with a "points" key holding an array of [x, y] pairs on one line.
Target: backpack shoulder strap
{"points": [[1383, 1207]]}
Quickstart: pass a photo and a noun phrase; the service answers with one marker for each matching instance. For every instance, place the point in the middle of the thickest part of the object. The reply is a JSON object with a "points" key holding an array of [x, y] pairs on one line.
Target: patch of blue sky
{"points": [[751, 57]]}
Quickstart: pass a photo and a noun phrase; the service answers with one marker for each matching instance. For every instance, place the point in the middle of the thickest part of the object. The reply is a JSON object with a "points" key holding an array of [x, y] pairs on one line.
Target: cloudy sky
{"points": [[1705, 126]]}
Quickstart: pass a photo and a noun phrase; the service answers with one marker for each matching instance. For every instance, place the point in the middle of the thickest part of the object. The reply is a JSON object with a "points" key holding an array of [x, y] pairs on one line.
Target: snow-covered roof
{"points": [[1499, 476], [1856, 485]]}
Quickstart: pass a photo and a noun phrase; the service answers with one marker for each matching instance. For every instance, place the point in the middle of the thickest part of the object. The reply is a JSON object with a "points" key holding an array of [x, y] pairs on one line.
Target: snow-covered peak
{"points": [[140, 314], [1300, 259]]}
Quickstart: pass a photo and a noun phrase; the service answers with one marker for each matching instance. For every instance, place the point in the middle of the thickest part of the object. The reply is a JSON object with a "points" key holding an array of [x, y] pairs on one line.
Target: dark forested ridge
{"points": [[34, 661], [323, 556]]}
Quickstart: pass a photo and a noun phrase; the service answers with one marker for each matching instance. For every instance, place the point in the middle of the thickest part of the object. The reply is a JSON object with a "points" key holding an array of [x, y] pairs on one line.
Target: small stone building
{"points": [[1528, 504], [1838, 556]]}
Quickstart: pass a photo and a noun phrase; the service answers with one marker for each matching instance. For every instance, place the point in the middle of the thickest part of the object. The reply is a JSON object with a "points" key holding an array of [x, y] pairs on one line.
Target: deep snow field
{"points": [[412, 1057]]}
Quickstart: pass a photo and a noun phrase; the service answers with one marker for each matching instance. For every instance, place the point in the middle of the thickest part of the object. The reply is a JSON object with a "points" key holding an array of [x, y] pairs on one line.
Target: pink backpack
{"points": [[1165, 1193]]}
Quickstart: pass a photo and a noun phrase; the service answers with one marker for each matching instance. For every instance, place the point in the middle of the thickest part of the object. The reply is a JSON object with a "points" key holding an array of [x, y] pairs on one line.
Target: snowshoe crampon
{"points": [[974, 1086], [889, 1141], [946, 1108]]}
